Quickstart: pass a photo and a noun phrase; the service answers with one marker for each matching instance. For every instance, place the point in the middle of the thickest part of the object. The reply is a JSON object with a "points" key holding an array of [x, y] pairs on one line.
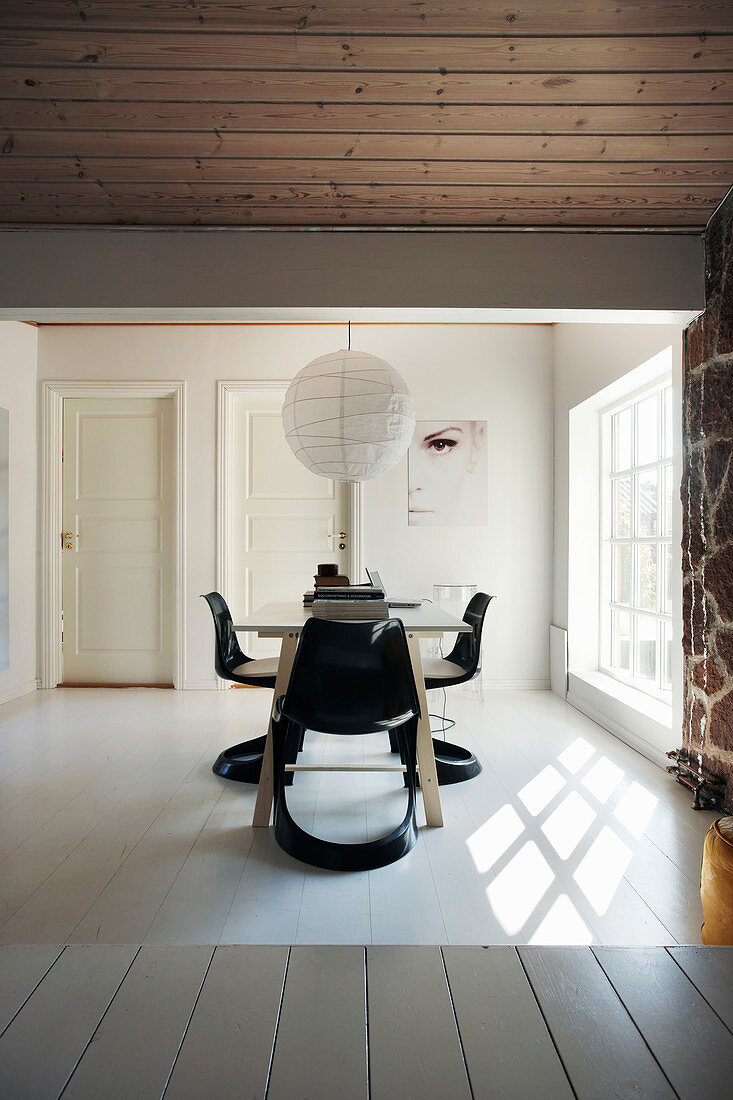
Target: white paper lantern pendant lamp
{"points": [[348, 416]]}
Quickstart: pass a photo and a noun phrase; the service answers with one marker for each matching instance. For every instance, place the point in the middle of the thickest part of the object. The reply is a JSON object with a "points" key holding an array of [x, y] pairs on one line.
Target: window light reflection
{"points": [[516, 891], [575, 755], [636, 808], [494, 837], [563, 925], [602, 868], [568, 824], [541, 790], [602, 779]]}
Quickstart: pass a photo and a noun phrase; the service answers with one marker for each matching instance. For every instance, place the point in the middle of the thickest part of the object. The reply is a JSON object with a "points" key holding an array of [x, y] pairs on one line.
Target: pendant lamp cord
{"points": [[349, 335]]}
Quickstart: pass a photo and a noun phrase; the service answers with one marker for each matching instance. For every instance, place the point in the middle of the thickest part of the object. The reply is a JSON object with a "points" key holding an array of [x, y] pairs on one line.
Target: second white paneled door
{"points": [[285, 520], [118, 541]]}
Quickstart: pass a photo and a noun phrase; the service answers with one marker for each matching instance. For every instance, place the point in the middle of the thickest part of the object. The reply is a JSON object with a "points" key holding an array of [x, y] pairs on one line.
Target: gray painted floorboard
{"points": [[62, 1015], [711, 970], [140, 1023], [604, 1055], [228, 1045], [673, 1018], [414, 1050], [321, 1048], [21, 969], [135, 1045], [508, 1049]]}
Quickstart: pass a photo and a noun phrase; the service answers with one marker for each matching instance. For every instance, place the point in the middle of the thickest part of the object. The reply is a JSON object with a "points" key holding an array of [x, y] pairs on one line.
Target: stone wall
{"points": [[707, 514]]}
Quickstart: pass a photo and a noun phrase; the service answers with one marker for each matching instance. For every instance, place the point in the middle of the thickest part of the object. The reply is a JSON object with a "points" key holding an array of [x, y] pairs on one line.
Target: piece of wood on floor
{"points": [[228, 1045], [21, 969], [603, 1053], [691, 1044], [320, 1049], [508, 1049], [135, 1045], [414, 1048], [711, 970], [39, 1050]]}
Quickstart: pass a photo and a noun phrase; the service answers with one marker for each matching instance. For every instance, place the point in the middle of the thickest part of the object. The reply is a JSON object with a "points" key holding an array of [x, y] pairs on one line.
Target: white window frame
{"points": [[607, 541]]}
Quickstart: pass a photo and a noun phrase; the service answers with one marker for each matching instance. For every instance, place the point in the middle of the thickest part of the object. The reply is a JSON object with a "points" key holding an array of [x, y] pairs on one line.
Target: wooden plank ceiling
{"points": [[576, 113]]}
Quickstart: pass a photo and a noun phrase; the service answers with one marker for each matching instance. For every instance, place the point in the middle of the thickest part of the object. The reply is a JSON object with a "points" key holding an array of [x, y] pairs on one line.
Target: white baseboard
{"points": [[633, 740], [17, 691], [201, 685], [516, 685]]}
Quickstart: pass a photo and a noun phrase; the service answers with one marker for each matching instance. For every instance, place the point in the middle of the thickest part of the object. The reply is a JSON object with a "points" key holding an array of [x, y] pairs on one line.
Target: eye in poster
{"points": [[448, 474], [4, 560]]}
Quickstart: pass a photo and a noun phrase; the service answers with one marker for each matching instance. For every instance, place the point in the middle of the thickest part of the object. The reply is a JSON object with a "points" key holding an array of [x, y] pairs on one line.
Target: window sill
{"points": [[638, 719]]}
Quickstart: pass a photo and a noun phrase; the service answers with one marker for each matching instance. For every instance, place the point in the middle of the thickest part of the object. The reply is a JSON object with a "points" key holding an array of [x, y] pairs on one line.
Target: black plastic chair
{"points": [[347, 678], [242, 762], [453, 763]]}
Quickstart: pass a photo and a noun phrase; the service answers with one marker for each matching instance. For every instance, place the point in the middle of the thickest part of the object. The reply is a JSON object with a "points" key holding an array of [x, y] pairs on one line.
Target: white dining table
{"points": [[285, 621]]}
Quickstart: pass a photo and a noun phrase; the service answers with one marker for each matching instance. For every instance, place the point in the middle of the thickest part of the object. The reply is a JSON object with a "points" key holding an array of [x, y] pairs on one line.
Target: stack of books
{"points": [[355, 601]]}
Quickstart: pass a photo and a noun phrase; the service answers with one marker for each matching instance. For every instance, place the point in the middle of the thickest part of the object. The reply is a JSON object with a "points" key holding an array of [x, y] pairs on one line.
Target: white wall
{"points": [[587, 359], [499, 373], [18, 395]]}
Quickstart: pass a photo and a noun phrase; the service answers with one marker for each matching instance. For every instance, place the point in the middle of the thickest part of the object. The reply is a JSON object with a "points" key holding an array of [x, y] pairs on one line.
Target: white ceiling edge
{"points": [[357, 316]]}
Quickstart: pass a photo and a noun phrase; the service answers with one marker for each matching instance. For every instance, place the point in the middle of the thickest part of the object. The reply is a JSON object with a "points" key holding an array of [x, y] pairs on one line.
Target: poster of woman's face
{"points": [[448, 474]]}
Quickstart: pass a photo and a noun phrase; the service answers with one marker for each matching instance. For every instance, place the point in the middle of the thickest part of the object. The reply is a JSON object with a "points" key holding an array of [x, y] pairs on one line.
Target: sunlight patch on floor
{"points": [[517, 890]]}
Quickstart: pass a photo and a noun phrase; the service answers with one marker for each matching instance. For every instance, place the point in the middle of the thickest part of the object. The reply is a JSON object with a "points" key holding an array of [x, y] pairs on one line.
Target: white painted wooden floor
{"points": [[114, 830]]}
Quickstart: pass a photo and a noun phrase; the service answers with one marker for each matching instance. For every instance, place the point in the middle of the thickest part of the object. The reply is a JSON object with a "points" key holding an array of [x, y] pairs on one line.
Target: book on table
{"points": [[354, 593], [349, 609]]}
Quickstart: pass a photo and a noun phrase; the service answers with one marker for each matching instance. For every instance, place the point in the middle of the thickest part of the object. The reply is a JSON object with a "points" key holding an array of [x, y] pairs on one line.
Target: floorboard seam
{"points": [[695, 986], [277, 1026], [628, 1013], [35, 987], [95, 947], [455, 1021], [544, 1020], [188, 1023]]}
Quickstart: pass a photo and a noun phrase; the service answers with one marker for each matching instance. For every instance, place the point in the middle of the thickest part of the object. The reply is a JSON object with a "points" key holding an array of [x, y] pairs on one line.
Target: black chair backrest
{"points": [[467, 650], [351, 678], [227, 654]]}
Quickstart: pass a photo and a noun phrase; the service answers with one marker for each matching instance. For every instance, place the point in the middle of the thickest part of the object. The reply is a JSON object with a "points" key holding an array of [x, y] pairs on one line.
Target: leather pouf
{"points": [[716, 883]]}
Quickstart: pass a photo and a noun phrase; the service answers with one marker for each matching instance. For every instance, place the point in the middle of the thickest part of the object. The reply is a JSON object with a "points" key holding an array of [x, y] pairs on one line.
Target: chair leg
{"points": [[394, 744], [344, 857]]}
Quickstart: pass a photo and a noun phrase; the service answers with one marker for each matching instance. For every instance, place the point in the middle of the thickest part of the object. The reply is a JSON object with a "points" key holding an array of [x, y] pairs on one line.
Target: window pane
{"points": [[646, 575], [621, 640], [667, 602], [668, 449], [621, 519], [621, 427], [668, 475], [646, 503], [645, 655], [622, 574], [647, 425], [667, 640]]}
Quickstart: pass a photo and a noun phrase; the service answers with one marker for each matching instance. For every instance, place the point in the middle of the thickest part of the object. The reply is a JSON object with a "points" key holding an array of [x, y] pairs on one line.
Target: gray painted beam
{"points": [[229, 270]]}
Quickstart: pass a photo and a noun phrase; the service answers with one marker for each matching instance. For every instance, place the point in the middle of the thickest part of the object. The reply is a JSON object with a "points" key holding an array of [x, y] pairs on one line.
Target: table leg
{"points": [[425, 754], [263, 806]]}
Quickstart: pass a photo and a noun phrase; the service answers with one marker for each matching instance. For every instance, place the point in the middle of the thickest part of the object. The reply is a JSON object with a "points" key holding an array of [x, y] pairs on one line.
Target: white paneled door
{"points": [[118, 541], [285, 520]]}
